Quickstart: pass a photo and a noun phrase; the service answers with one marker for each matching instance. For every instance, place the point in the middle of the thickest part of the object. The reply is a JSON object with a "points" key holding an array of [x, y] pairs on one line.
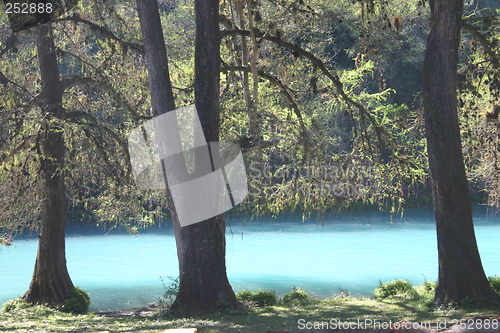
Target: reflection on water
{"points": [[352, 251]]}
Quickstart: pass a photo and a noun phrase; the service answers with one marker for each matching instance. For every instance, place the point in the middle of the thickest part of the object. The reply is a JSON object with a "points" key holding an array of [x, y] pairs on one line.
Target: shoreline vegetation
{"points": [[394, 303]]}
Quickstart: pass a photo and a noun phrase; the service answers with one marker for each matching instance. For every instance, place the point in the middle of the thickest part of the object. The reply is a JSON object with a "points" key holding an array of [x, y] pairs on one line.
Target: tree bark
{"points": [[200, 247], [160, 86], [461, 274], [51, 282], [250, 101]]}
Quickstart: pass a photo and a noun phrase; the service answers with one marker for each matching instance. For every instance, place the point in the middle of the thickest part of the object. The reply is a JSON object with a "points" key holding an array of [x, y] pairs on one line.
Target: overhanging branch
{"points": [[364, 114], [115, 95], [286, 92], [103, 31], [488, 49]]}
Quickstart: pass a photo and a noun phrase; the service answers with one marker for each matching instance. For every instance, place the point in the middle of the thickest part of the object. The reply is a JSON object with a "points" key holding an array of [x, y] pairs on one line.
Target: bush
{"points": [[426, 289], [15, 304], [260, 298], [245, 295], [77, 301], [265, 297], [297, 296], [171, 289], [222, 306], [344, 293], [495, 283], [394, 289]]}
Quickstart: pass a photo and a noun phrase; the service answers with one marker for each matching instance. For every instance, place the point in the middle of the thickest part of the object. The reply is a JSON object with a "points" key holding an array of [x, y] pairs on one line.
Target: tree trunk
{"points": [[461, 274], [250, 101], [201, 246], [51, 282], [162, 98]]}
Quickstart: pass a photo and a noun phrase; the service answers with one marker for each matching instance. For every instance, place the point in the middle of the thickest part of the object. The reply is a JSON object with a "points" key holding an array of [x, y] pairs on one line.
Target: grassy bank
{"points": [[253, 318]]}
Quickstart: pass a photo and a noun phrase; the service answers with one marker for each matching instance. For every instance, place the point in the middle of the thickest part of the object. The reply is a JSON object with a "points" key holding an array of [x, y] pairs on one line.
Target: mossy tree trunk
{"points": [[461, 274], [51, 281]]}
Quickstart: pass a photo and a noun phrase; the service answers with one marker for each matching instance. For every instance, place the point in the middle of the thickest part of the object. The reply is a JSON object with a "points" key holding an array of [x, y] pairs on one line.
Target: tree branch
{"points": [[89, 128], [116, 96], [488, 49], [286, 92], [318, 63], [108, 34]]}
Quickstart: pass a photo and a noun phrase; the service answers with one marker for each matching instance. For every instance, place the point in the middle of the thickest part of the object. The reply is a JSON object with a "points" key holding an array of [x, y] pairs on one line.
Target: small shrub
{"points": [[495, 283], [426, 290], [425, 295], [297, 296], [394, 289], [171, 289], [222, 306], [245, 295], [77, 301], [265, 297], [260, 298], [429, 286], [344, 293], [15, 304]]}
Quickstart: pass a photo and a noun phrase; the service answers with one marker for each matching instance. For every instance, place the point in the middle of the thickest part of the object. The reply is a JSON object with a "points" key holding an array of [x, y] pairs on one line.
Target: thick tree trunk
{"points": [[461, 273], [201, 246], [51, 282]]}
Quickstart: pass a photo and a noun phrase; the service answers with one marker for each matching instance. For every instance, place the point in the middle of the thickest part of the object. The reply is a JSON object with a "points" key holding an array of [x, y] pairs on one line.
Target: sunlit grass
{"points": [[253, 319]]}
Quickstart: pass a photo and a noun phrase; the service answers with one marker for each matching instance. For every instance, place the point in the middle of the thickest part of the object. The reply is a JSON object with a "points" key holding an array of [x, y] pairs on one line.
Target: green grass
{"points": [[255, 319]]}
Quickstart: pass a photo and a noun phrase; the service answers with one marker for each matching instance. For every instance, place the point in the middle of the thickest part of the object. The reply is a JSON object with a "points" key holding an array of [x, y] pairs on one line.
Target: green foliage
{"points": [[259, 298], [222, 306], [171, 289], [297, 296], [258, 319], [395, 289], [426, 291], [303, 121], [479, 109], [265, 297], [495, 283], [15, 304], [343, 293], [77, 301], [245, 295]]}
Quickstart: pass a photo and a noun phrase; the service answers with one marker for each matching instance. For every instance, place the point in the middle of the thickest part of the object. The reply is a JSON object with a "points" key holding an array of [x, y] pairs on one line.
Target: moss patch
{"points": [[77, 301]]}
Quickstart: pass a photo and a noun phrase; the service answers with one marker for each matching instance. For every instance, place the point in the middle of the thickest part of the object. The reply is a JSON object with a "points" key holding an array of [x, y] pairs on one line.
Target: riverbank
{"points": [[339, 314], [352, 252]]}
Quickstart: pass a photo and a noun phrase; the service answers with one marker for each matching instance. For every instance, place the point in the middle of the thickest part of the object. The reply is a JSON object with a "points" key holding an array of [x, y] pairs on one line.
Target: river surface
{"points": [[350, 251]]}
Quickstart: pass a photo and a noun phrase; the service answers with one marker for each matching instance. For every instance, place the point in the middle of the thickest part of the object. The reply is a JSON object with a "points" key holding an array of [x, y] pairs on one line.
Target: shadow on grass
{"points": [[255, 319], [346, 310]]}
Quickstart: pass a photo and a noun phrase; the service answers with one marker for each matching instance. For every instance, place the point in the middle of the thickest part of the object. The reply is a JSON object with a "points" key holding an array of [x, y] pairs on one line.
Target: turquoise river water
{"points": [[351, 251]]}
